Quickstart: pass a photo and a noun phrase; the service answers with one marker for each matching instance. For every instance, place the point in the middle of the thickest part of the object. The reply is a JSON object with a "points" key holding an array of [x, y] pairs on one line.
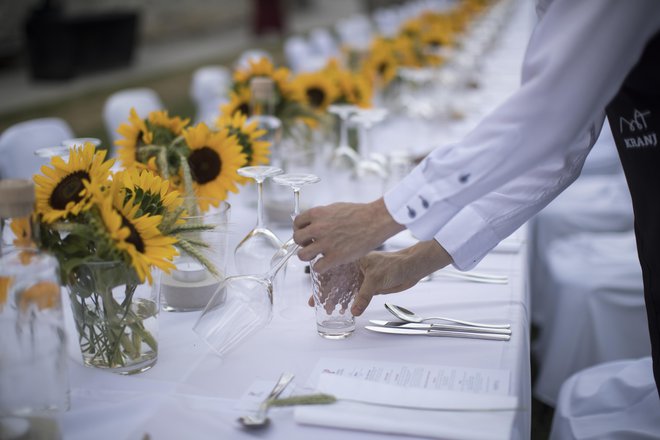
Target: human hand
{"points": [[342, 232], [391, 272]]}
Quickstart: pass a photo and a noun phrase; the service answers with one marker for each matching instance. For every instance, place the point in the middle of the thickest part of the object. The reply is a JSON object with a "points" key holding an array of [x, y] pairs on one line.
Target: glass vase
{"points": [[116, 316], [190, 286]]}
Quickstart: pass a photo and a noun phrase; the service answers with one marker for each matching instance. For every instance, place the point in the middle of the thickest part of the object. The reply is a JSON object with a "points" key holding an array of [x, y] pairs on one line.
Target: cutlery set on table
{"points": [[412, 324]]}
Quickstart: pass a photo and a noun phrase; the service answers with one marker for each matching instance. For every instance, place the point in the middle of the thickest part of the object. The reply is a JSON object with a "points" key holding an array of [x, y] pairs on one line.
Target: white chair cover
{"points": [[19, 142], [596, 313], [591, 204], [244, 59], [209, 89], [613, 401], [355, 31], [118, 107], [387, 21], [301, 56], [323, 43]]}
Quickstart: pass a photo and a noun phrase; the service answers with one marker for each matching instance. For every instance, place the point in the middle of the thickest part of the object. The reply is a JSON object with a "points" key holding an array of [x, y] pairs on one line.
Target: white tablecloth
{"points": [[192, 393]]}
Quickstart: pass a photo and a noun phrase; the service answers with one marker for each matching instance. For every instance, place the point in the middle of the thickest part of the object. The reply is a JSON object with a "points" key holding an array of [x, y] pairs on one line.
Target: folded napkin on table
{"points": [[370, 406]]}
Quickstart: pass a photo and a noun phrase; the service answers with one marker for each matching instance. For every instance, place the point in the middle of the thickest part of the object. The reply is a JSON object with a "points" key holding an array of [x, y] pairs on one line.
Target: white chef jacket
{"points": [[472, 194]]}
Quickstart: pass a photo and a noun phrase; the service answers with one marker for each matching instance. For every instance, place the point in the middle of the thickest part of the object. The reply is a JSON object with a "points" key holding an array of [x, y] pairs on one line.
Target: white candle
{"points": [[189, 272]]}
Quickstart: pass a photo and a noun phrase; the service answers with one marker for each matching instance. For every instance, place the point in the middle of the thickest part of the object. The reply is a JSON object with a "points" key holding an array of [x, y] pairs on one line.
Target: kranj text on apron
{"points": [[634, 117]]}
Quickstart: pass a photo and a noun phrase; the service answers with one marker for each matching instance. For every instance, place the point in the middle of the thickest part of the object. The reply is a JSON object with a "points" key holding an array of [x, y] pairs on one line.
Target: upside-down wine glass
{"points": [[344, 153], [254, 253], [242, 305], [294, 307], [371, 170]]}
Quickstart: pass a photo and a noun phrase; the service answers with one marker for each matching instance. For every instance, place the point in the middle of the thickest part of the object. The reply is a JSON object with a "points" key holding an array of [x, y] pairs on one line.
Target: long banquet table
{"points": [[193, 393]]}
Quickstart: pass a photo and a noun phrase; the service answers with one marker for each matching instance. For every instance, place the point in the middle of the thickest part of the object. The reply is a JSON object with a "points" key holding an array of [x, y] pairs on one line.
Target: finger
{"points": [[302, 220], [310, 301], [325, 263], [303, 236], [309, 252], [363, 298]]}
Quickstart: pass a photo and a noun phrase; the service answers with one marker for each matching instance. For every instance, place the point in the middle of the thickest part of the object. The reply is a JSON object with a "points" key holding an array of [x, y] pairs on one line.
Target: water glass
{"points": [[334, 292], [33, 372]]}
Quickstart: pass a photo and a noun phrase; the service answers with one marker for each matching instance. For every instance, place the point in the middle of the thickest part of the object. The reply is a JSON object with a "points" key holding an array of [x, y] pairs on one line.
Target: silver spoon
{"points": [[259, 419], [409, 316]]}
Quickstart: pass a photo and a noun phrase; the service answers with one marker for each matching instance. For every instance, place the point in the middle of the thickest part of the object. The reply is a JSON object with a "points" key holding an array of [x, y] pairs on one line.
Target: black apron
{"points": [[634, 117]]}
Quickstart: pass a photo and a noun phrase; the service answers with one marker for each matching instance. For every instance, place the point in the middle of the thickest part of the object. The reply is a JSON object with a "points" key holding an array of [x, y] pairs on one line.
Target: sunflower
{"points": [[213, 161], [354, 89], [43, 294], [318, 89], [256, 151], [5, 283], [138, 237], [135, 135], [239, 102], [153, 193], [165, 128], [22, 230], [261, 67], [61, 191], [381, 64]]}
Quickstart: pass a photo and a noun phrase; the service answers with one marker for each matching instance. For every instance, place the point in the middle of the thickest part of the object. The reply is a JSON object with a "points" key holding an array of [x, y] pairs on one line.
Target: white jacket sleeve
{"points": [[577, 57], [481, 225]]}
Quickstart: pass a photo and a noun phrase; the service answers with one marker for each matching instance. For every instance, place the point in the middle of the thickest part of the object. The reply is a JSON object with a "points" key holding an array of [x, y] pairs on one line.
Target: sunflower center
{"points": [[205, 165], [244, 108], [68, 190], [134, 237], [315, 96], [382, 67]]}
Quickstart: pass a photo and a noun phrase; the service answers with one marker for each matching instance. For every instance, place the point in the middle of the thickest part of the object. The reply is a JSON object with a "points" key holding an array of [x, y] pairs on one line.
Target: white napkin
{"points": [[379, 407]]}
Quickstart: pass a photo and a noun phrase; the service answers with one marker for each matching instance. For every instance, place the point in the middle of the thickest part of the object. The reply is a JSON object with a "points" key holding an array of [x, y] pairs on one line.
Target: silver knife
{"points": [[431, 332], [454, 327]]}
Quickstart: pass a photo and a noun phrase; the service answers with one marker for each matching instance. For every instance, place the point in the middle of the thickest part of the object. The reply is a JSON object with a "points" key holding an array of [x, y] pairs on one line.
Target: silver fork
{"points": [[259, 419]]}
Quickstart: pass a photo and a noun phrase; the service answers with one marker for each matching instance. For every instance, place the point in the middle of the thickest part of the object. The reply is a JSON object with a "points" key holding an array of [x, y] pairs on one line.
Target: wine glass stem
{"points": [[260, 203], [343, 132], [364, 144], [296, 203]]}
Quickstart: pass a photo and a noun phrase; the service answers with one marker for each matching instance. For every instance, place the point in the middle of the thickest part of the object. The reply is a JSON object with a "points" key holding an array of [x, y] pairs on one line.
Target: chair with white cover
{"points": [[209, 89], [596, 313], [355, 31], [248, 55], [301, 55], [118, 106], [591, 204], [611, 401], [19, 142], [323, 43]]}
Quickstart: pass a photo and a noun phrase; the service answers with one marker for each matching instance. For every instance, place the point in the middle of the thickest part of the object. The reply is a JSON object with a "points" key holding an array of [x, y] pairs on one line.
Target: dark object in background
{"points": [[268, 17], [61, 46]]}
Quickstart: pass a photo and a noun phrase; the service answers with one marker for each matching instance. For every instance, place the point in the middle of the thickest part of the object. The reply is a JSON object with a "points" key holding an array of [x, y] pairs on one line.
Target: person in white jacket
{"points": [[584, 58]]}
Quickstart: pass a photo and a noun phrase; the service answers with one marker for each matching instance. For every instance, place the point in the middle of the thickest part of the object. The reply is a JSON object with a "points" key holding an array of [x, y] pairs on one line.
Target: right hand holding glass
{"points": [[391, 272]]}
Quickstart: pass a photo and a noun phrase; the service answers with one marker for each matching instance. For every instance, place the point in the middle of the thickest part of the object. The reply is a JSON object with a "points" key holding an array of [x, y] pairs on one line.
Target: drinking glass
{"points": [[295, 181], [344, 153], [242, 305], [254, 253], [334, 292]]}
